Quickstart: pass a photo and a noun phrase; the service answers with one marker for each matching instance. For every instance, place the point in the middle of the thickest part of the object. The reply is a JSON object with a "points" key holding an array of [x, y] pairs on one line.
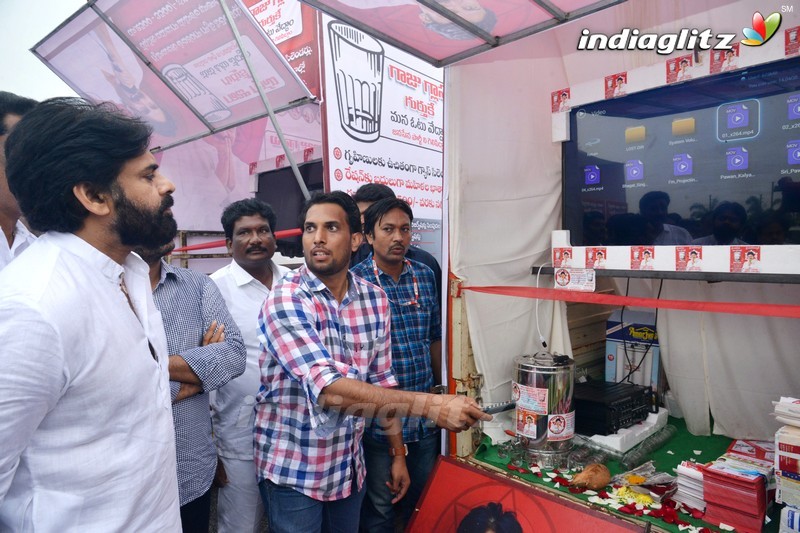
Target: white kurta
{"points": [[22, 239], [232, 404], [85, 417]]}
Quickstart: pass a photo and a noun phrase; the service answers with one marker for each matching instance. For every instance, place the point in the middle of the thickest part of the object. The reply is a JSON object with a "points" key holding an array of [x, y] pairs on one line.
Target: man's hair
{"points": [[652, 197], [12, 104], [375, 213], [339, 198], [245, 208], [63, 142], [489, 517], [372, 192], [733, 207]]}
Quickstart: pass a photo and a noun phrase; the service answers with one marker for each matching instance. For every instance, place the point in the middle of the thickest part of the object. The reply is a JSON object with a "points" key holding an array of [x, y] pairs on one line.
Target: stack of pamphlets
{"points": [[735, 486], [690, 485], [787, 411]]}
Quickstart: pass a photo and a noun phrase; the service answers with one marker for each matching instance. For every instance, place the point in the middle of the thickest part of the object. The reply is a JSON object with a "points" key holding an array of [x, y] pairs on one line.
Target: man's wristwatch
{"points": [[395, 452]]}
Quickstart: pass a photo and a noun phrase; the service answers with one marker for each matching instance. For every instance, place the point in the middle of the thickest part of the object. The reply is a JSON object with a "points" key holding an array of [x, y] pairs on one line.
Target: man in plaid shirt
{"points": [[326, 365], [416, 356]]}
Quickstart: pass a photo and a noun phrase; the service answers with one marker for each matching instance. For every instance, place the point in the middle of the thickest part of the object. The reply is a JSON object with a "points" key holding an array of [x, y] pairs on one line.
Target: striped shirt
{"points": [[310, 341], [414, 328], [189, 302]]}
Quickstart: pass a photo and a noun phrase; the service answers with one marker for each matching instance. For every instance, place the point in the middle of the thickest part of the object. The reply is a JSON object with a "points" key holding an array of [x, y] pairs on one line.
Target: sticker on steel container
{"points": [[561, 427], [527, 422], [530, 398]]}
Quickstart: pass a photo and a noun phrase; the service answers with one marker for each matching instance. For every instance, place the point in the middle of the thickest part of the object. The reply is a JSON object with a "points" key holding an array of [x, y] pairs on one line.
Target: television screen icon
{"points": [[737, 158], [793, 152], [738, 116], [591, 174], [682, 165], [634, 170], [793, 107]]}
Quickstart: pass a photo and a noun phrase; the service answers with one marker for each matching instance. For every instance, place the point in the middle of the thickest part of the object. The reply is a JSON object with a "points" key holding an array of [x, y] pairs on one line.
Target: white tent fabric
{"points": [[504, 202], [504, 175]]}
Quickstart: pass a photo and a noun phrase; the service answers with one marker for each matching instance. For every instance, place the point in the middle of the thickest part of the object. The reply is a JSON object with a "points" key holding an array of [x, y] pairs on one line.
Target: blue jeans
{"points": [[378, 513], [291, 511]]}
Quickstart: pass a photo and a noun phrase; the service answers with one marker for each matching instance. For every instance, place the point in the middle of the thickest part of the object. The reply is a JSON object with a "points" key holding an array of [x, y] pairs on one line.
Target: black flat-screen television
{"points": [[714, 160]]}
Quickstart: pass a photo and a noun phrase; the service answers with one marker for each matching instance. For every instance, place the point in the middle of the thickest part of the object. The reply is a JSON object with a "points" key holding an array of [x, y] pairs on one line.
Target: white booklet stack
{"points": [[690, 485], [787, 411]]}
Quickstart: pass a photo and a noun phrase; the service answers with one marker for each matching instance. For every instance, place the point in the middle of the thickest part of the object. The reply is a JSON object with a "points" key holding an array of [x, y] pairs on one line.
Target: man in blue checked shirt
{"points": [[206, 351], [416, 337]]}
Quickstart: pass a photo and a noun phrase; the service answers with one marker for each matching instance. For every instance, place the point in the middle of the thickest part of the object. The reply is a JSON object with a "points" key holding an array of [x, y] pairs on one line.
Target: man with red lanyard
{"points": [[416, 357]]}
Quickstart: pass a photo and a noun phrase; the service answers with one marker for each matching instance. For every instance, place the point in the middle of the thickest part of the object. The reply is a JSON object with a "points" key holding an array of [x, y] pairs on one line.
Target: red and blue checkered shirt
{"points": [[309, 341]]}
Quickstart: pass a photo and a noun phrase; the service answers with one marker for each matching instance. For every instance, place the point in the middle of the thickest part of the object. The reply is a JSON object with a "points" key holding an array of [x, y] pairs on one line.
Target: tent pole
{"points": [[270, 112]]}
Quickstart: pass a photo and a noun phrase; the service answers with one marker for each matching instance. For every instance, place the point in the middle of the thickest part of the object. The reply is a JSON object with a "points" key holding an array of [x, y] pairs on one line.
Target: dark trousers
{"points": [[194, 515]]}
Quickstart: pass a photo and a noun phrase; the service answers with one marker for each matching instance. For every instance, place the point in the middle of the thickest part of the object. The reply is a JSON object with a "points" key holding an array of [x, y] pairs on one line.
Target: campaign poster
{"points": [[384, 114], [791, 44], [724, 60], [745, 259], [679, 68], [562, 257], [643, 257], [559, 100], [689, 258], [616, 85], [596, 257], [292, 27]]}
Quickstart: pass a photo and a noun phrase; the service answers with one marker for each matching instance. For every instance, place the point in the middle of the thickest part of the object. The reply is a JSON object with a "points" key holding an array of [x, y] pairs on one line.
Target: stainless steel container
{"points": [[542, 388]]}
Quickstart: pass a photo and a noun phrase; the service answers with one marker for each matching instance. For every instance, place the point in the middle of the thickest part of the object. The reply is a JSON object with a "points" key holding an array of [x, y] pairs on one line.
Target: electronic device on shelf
{"points": [[603, 408]]}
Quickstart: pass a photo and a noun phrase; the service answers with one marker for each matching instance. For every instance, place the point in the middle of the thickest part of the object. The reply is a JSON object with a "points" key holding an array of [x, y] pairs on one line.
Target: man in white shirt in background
{"points": [[245, 283], [16, 235], [85, 414]]}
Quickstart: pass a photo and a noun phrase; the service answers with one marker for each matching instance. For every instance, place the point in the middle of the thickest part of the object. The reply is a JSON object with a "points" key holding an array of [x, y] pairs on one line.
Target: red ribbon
{"points": [[282, 234], [735, 308]]}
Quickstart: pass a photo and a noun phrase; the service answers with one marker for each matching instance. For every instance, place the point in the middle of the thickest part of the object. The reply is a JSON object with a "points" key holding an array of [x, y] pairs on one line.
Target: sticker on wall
{"points": [[791, 41], [679, 68], [724, 60], [746, 259], [562, 257], [616, 84], [596, 257], [559, 100], [574, 279], [642, 257], [689, 258]]}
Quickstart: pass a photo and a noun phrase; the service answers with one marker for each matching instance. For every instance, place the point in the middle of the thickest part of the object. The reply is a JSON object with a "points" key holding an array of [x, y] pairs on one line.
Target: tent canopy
{"points": [[442, 32], [187, 68]]}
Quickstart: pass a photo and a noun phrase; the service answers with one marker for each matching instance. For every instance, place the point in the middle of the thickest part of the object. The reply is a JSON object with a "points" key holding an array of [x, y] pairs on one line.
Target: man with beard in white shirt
{"points": [[245, 283], [85, 415], [16, 235]]}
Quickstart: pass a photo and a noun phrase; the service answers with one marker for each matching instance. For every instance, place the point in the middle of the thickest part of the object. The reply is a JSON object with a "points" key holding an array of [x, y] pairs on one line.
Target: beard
{"points": [[140, 227]]}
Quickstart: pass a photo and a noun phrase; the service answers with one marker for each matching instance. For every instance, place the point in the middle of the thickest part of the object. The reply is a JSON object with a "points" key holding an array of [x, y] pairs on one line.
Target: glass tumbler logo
{"points": [[737, 115], [358, 71], [591, 174]]}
